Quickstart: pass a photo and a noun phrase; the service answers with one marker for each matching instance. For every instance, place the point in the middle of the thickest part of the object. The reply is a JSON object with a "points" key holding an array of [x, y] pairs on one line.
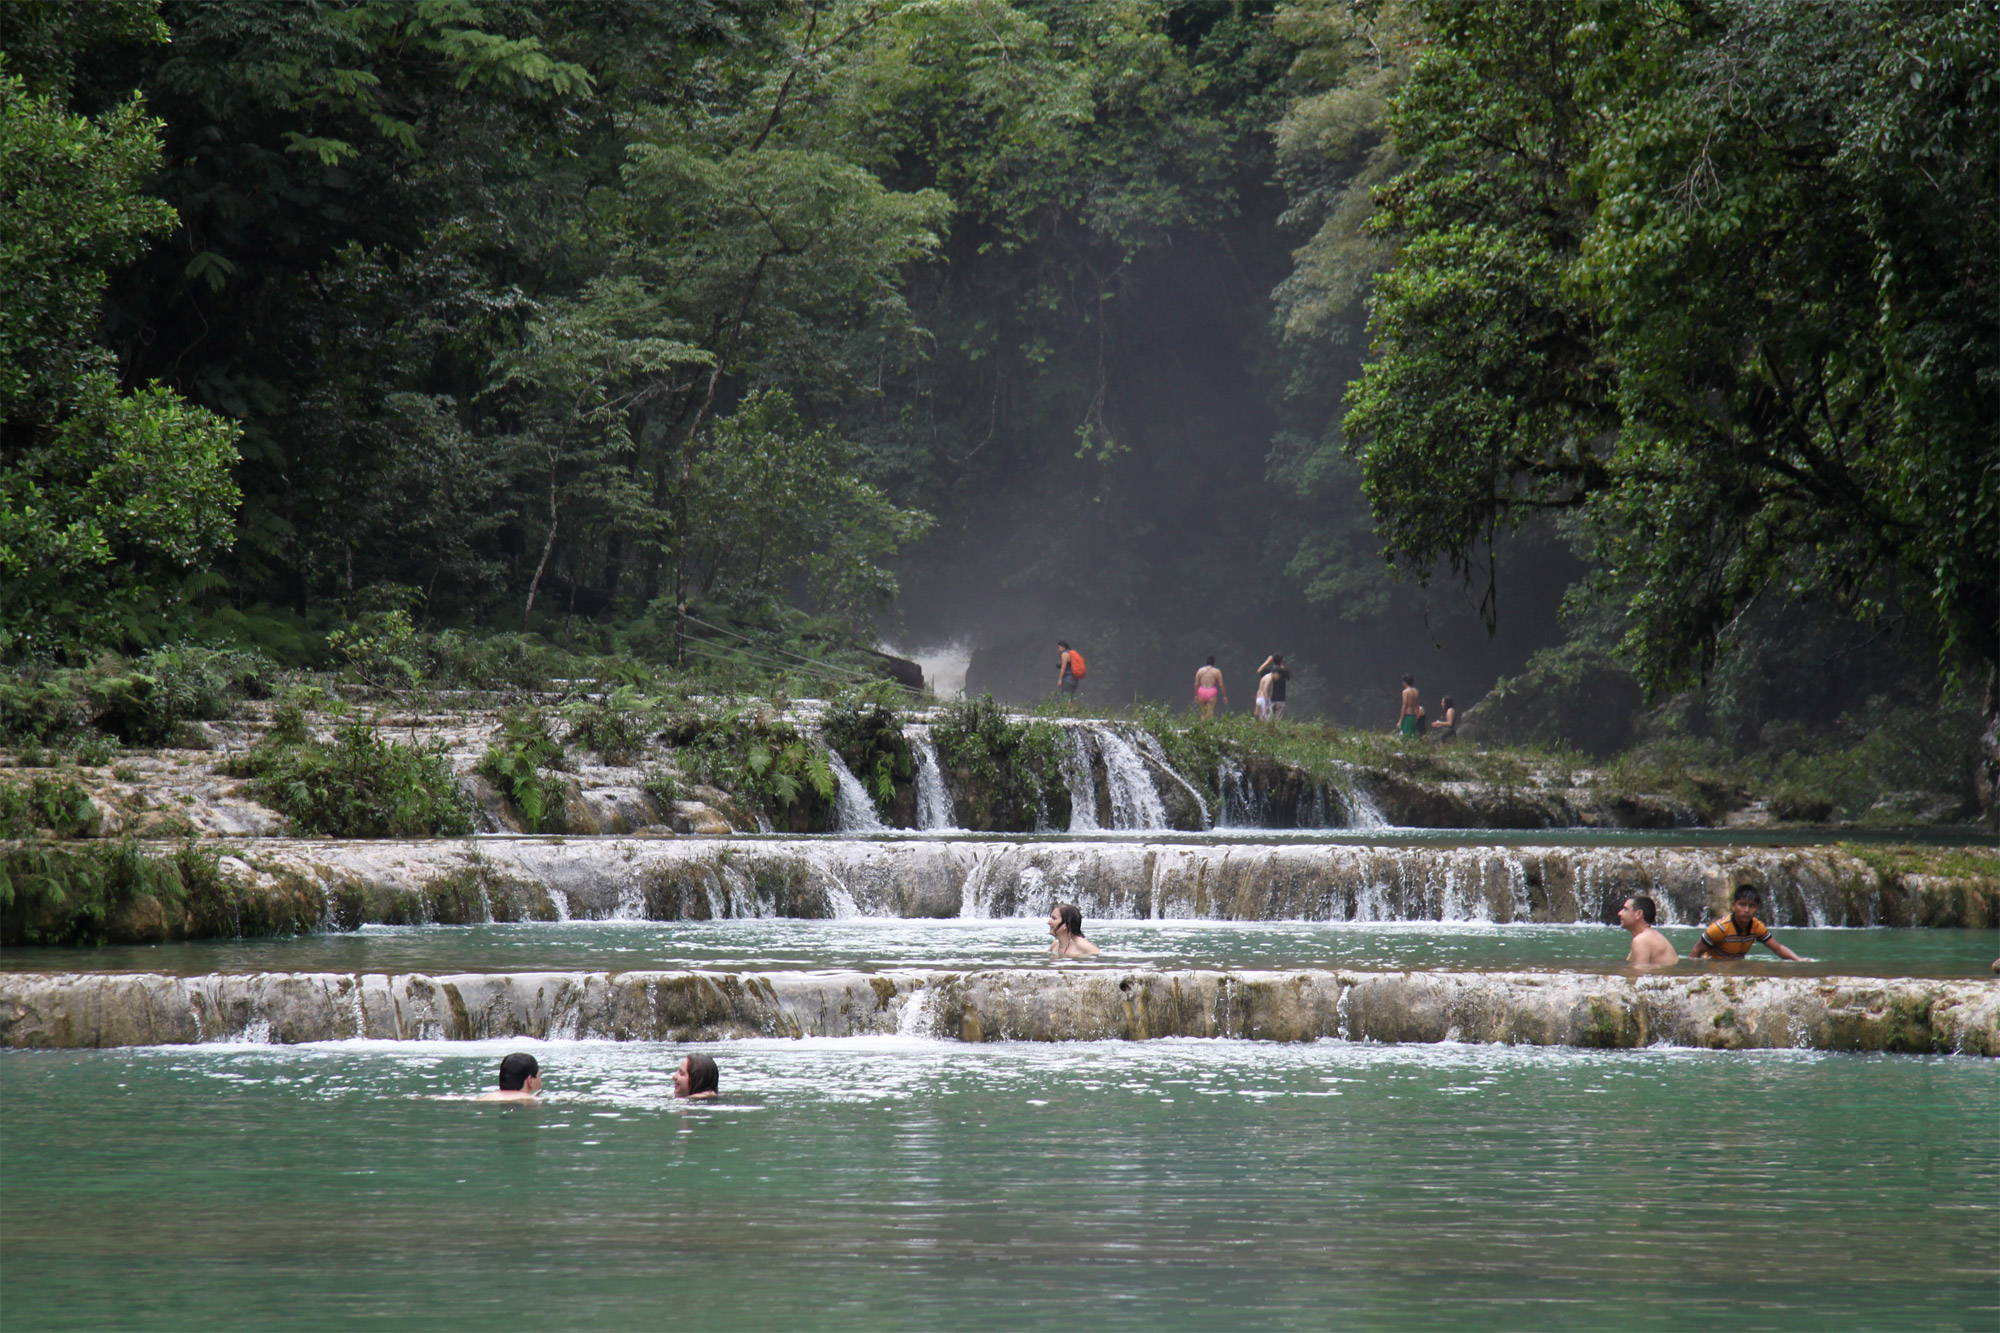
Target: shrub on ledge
{"points": [[359, 786]]}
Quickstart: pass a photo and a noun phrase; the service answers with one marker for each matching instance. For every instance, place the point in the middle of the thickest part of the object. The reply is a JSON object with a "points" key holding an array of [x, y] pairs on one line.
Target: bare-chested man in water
{"points": [[520, 1080], [1649, 947], [1066, 928]]}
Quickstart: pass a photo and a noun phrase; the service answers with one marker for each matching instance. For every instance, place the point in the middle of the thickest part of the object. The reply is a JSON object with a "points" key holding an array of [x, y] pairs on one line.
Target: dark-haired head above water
{"points": [[520, 1079], [697, 1076], [1066, 930]]}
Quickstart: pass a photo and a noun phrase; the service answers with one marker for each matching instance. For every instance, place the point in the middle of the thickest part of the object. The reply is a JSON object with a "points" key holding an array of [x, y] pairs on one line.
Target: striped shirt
{"points": [[1724, 937]]}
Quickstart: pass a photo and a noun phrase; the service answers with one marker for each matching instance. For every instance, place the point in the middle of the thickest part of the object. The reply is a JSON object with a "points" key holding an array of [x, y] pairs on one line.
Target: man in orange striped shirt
{"points": [[1732, 936]]}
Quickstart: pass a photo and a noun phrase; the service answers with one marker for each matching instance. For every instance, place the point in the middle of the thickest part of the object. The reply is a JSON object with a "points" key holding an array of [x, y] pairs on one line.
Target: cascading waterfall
{"points": [[1082, 784], [852, 806], [1135, 801], [1240, 804], [1150, 746], [934, 810], [1365, 813], [1129, 791]]}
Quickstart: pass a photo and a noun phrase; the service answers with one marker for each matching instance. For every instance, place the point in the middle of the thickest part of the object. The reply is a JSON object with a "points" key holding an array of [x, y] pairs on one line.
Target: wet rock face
{"points": [[1054, 1004], [278, 886]]}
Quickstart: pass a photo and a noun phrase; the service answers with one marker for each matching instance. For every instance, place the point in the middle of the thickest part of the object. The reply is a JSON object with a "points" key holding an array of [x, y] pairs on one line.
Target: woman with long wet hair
{"points": [[1066, 932]]}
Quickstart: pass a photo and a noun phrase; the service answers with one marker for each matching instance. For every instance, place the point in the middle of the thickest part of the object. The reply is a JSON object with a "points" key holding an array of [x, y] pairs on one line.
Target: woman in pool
{"points": [[697, 1077], [1066, 925]]}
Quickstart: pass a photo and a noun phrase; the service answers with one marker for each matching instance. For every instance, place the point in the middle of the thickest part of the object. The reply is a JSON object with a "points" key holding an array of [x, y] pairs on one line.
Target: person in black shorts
{"points": [[1274, 671]]}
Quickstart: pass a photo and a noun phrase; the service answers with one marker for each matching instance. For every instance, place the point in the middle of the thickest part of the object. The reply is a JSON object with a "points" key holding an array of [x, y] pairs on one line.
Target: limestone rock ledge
{"points": [[450, 881], [73, 1010]]}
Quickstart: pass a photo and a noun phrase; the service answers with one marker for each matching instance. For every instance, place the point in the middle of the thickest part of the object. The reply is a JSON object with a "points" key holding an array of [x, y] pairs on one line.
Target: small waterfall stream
{"points": [[852, 805], [934, 811], [1135, 801], [1365, 813], [1082, 784]]}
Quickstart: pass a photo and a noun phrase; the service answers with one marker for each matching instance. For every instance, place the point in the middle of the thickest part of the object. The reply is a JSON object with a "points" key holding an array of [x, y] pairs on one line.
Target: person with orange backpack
{"points": [[1071, 667]]}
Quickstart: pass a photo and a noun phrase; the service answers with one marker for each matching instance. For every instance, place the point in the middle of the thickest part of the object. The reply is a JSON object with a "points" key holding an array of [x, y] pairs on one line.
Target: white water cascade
{"points": [[852, 806], [1135, 801], [1240, 805], [1082, 784], [933, 799], [1365, 813], [1150, 746]]}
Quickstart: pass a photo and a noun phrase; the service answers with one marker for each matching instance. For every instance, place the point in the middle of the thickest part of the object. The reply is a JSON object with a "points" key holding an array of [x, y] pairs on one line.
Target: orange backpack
{"points": [[1076, 664]]}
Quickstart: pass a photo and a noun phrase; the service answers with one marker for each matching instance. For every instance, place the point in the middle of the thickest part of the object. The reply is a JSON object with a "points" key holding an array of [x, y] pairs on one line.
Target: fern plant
{"points": [[516, 761]]}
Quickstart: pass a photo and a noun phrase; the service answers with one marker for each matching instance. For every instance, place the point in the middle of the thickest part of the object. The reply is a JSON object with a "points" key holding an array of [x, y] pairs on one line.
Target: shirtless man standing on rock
{"points": [[1410, 722], [1649, 947]]}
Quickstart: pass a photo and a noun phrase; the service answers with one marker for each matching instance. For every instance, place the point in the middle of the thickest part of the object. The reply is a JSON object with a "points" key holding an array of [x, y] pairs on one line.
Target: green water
{"points": [[899, 1184], [871, 943]]}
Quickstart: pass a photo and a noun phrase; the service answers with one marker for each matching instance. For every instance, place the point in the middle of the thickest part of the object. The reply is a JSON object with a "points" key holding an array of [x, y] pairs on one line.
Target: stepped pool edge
{"points": [[71, 1010]]}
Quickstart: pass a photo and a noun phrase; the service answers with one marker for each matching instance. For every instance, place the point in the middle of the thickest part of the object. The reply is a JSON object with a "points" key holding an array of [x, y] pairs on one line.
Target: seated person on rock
{"points": [[697, 1077], [1066, 925], [1649, 947], [1732, 936], [520, 1080]]}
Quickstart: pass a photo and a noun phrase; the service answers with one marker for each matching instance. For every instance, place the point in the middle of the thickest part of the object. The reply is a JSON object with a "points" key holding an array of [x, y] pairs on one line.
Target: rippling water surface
{"points": [[903, 1184], [883, 943]]}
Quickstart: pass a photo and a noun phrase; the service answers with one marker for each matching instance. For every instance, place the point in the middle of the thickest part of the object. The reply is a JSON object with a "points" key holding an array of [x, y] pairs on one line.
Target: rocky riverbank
{"points": [[276, 886], [586, 768], [1051, 1004]]}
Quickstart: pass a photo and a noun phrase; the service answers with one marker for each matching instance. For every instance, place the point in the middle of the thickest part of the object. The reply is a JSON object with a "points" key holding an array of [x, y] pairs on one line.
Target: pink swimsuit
{"points": [[1205, 693]]}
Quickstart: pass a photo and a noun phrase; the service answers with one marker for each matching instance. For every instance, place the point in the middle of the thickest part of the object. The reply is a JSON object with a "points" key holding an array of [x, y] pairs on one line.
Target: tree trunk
{"points": [[536, 582], [1986, 777]]}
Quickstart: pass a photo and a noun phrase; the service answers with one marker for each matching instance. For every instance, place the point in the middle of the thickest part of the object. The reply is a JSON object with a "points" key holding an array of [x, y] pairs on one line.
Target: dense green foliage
{"points": [[749, 753], [121, 892], [1006, 773], [48, 802], [146, 701], [1719, 278], [72, 895], [357, 785], [869, 736], [614, 727], [490, 343], [106, 496], [519, 763]]}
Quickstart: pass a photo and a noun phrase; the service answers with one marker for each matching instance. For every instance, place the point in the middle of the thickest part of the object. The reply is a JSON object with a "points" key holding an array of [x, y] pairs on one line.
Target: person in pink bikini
{"points": [[1208, 686]]}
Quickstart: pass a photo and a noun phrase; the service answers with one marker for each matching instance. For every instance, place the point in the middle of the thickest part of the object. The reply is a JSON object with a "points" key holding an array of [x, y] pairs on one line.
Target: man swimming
{"points": [[1207, 686], [1732, 936], [1066, 928], [1649, 947], [520, 1081]]}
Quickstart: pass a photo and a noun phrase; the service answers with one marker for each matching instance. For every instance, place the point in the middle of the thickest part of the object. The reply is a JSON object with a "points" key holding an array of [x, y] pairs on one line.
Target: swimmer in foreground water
{"points": [[520, 1081], [697, 1077], [1649, 947], [1066, 925]]}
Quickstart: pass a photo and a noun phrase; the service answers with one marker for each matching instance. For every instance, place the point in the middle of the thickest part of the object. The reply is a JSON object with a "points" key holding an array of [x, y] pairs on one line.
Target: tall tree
{"points": [[109, 499], [1719, 278]]}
